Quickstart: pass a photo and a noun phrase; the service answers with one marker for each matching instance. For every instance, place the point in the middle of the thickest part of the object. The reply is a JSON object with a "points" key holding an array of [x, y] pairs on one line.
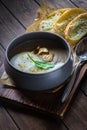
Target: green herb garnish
{"points": [[42, 64]]}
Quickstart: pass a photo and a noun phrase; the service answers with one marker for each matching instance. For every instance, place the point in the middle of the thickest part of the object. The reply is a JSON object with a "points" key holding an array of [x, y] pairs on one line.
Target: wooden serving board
{"points": [[45, 102]]}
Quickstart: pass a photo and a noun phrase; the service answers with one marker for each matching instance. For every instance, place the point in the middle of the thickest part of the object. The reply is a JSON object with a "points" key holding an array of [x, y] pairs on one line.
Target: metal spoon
{"points": [[81, 52]]}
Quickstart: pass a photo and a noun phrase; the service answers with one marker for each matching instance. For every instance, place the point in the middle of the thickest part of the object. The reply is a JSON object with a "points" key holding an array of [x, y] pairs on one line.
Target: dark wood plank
{"points": [[28, 120], [2, 52], [57, 3], [80, 3], [76, 118], [6, 122], [84, 85], [9, 26], [23, 10]]}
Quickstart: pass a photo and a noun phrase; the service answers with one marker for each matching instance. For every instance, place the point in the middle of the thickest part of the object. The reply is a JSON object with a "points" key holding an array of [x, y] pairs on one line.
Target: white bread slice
{"points": [[48, 23], [65, 18], [76, 29]]}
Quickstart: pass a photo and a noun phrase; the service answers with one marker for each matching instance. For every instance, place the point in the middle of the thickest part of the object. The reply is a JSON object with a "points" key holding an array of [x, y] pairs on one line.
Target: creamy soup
{"points": [[22, 62]]}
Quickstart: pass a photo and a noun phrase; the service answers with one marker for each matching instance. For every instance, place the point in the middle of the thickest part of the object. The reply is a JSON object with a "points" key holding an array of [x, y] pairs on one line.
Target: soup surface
{"points": [[22, 61]]}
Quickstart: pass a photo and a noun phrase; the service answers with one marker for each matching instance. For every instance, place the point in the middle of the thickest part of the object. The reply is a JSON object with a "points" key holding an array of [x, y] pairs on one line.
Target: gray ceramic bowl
{"points": [[39, 81]]}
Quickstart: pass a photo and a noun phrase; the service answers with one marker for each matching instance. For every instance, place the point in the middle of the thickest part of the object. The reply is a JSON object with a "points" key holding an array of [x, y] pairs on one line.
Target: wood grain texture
{"points": [[6, 122], [24, 11], [2, 52], [57, 3], [45, 102], [9, 27], [84, 85], [76, 118], [28, 120], [80, 3]]}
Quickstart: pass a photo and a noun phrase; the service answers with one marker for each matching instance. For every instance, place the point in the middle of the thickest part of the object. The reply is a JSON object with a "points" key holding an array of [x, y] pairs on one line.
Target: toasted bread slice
{"points": [[48, 23], [76, 29], [65, 18]]}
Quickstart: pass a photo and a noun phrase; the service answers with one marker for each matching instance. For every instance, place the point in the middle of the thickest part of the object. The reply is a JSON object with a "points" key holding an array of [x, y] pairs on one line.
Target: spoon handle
{"points": [[70, 84]]}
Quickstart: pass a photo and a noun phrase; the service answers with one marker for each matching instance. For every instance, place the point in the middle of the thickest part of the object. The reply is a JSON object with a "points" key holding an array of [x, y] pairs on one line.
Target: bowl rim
{"points": [[42, 73]]}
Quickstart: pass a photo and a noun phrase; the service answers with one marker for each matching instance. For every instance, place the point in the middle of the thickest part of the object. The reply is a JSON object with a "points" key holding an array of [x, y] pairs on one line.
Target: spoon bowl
{"points": [[81, 49]]}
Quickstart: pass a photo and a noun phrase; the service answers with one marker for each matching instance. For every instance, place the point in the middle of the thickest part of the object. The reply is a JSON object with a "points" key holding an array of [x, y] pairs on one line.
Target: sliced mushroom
{"points": [[47, 57], [43, 51]]}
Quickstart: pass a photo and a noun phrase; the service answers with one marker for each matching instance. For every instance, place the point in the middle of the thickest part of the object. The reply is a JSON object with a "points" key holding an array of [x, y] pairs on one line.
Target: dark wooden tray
{"points": [[45, 102]]}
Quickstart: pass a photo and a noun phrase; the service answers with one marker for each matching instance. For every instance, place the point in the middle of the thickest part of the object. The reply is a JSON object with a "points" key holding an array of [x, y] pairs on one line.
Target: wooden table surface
{"points": [[15, 17]]}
